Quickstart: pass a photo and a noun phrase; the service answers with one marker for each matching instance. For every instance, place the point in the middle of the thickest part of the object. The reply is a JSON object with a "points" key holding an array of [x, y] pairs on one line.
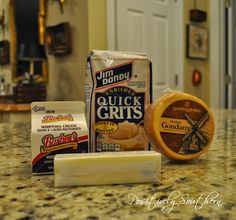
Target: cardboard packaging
{"points": [[56, 128]]}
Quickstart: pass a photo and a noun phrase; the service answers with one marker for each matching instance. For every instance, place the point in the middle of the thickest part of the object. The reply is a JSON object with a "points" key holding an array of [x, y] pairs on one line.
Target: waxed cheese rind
{"points": [[105, 169], [152, 120]]}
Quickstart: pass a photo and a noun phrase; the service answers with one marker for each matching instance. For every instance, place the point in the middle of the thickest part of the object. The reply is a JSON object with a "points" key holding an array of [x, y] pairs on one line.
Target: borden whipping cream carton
{"points": [[56, 128], [118, 86]]}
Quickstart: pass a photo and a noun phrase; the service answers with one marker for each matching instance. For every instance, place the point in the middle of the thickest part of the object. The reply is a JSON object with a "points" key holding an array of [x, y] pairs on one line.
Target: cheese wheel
{"points": [[179, 125]]}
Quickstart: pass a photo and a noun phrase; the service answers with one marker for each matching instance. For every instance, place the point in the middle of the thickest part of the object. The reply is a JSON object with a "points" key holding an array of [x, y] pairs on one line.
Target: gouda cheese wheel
{"points": [[179, 125]]}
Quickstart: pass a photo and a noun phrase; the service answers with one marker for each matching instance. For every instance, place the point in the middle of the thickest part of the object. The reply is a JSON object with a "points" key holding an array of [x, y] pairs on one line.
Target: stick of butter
{"points": [[107, 168]]}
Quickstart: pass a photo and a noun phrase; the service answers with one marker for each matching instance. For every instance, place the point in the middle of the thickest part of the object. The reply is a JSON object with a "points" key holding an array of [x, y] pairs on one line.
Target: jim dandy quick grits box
{"points": [[56, 128], [118, 86]]}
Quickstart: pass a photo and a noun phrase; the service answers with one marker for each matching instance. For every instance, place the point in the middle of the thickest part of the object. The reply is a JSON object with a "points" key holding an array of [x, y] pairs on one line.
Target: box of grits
{"points": [[56, 128]]}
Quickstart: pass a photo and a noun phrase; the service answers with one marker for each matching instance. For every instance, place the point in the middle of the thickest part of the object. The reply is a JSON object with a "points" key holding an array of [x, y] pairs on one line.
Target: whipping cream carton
{"points": [[118, 90], [56, 128]]}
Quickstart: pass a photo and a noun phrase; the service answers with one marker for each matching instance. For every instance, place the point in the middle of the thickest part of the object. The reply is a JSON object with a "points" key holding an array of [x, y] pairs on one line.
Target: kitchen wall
{"points": [[202, 90], [88, 25], [97, 20], [66, 73]]}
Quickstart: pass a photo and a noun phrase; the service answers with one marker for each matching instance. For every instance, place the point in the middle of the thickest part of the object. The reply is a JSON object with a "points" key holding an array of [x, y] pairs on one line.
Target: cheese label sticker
{"points": [[186, 127]]}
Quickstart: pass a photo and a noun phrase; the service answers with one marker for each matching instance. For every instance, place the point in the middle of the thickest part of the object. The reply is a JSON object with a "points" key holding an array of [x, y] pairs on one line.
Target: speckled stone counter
{"points": [[201, 189]]}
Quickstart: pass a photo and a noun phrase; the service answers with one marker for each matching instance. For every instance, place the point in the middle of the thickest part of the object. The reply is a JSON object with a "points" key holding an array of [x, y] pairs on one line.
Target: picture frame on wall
{"points": [[58, 39], [197, 42]]}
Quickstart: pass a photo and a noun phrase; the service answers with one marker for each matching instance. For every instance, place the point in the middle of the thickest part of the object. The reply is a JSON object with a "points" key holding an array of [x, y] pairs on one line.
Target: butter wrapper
{"points": [[56, 128]]}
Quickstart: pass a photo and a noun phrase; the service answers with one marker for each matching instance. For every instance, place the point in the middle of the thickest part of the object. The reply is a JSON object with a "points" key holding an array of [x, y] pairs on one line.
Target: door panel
{"points": [[135, 24], [131, 26]]}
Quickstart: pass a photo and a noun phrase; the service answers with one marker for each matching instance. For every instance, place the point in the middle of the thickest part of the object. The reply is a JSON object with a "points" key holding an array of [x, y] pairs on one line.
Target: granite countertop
{"points": [[208, 182]]}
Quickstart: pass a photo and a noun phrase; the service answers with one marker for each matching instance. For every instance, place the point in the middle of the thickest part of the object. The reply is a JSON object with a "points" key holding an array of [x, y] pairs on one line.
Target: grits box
{"points": [[56, 128], [118, 90]]}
